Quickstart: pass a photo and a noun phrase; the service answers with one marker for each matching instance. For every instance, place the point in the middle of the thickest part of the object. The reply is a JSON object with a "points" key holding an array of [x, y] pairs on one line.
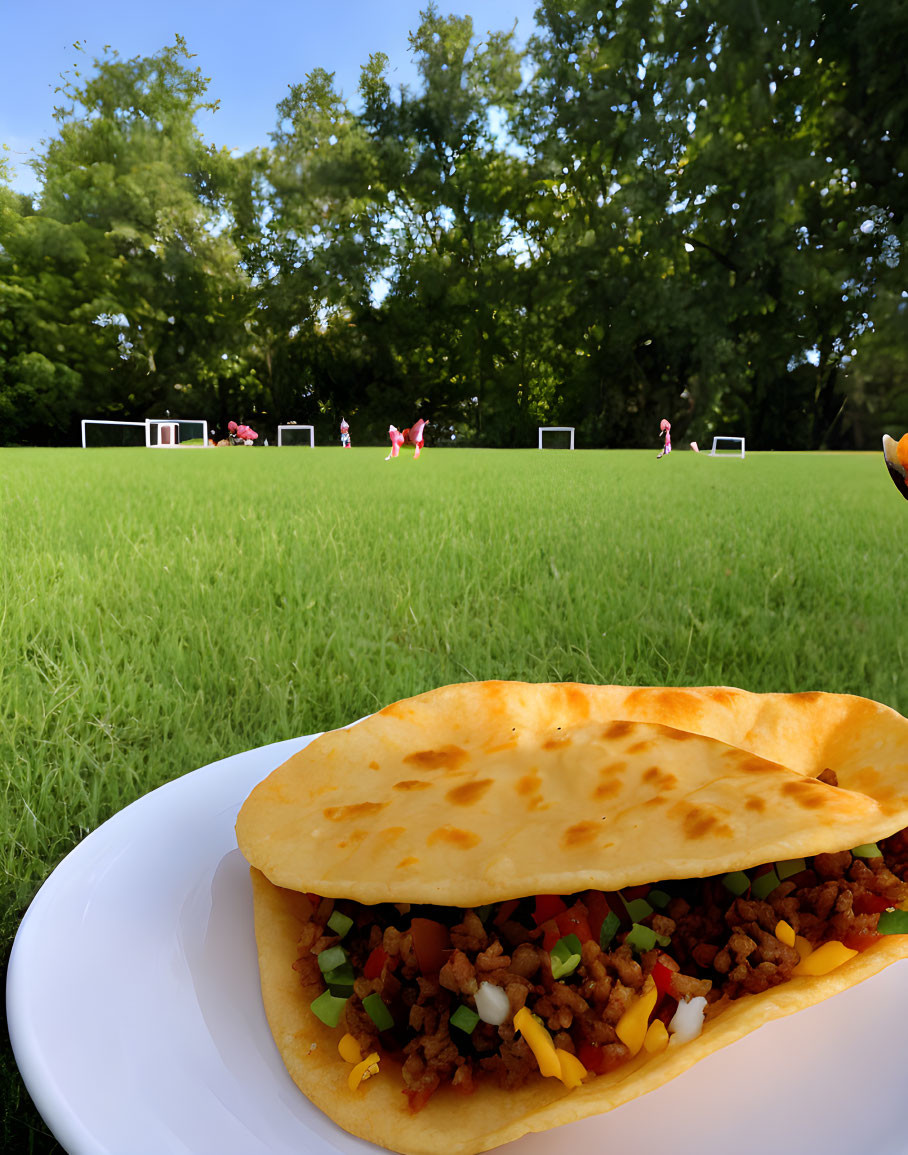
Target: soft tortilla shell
{"points": [[456, 1125], [479, 792]]}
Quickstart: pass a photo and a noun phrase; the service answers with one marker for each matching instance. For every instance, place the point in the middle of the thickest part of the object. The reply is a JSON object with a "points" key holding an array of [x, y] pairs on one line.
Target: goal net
{"points": [[296, 435], [727, 447], [167, 433], [101, 434], [556, 437]]}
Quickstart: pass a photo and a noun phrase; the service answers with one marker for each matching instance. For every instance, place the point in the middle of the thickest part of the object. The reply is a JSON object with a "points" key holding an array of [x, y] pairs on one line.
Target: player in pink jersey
{"points": [[397, 440], [665, 429]]}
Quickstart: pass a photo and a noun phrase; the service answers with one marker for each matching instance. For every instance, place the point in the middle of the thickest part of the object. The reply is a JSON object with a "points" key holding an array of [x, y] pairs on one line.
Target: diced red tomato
{"points": [[861, 939], [551, 934], [505, 911], [432, 944], [313, 898], [574, 921], [375, 963], [593, 1058], [632, 892], [662, 977], [597, 911], [547, 906], [871, 904]]}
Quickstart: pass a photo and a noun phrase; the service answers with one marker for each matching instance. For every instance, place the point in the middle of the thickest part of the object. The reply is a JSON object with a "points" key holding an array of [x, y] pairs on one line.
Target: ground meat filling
{"points": [[715, 944]]}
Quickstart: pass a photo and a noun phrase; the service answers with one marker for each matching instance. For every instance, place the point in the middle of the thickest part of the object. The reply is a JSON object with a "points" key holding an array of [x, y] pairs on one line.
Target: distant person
{"points": [[416, 435], [397, 440], [345, 434], [665, 430]]}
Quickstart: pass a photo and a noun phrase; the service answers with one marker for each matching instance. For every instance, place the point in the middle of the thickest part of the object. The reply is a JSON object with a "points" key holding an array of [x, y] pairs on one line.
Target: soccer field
{"points": [[163, 610]]}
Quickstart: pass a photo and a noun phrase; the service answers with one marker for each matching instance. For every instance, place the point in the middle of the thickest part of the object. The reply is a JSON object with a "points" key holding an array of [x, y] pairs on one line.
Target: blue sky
{"points": [[251, 52]]}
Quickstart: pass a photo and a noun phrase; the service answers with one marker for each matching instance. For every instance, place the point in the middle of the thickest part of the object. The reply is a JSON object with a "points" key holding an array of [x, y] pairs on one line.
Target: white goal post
{"points": [[281, 428], [556, 429], [737, 452], [165, 433], [159, 432], [93, 421]]}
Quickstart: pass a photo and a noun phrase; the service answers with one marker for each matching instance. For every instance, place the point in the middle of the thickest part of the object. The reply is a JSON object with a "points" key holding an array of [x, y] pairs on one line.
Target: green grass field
{"points": [[163, 610]]}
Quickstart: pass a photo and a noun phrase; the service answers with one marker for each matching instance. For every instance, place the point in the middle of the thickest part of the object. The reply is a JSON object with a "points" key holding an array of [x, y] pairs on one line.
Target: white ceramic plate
{"points": [[135, 1016]]}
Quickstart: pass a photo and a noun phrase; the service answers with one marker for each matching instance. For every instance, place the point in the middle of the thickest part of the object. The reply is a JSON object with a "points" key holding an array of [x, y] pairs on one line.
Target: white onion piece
{"points": [[492, 1004], [687, 1021]]}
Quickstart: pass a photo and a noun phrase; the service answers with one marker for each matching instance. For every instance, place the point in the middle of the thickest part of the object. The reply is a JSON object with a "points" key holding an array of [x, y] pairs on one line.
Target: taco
{"points": [[499, 907]]}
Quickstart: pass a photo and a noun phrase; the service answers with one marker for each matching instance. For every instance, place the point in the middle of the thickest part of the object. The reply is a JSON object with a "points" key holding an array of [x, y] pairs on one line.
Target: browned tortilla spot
{"points": [[698, 823], [468, 792], [412, 784], [660, 779], [577, 700], [656, 800], [373, 765], [755, 803], [617, 730], [446, 758], [750, 764], [407, 862], [511, 744], [453, 835], [391, 833], [607, 789], [612, 768], [807, 792], [640, 747], [354, 810], [580, 834], [529, 783], [557, 743]]}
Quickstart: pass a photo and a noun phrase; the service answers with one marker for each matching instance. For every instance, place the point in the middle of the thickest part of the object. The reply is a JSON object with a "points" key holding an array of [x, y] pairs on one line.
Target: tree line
{"points": [[691, 209]]}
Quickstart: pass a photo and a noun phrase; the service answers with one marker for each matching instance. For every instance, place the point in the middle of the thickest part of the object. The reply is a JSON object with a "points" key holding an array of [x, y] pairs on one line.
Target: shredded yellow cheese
{"points": [[573, 1071], [539, 1041], [785, 933], [632, 1026], [802, 946], [552, 1060], [363, 1070], [656, 1038], [349, 1049], [824, 959]]}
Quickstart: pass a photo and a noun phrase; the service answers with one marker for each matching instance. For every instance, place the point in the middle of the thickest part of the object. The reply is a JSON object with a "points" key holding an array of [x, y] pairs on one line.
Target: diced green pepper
{"points": [[789, 867], [464, 1019], [764, 885], [610, 925], [658, 898], [482, 912], [867, 850], [328, 1008], [644, 938], [378, 1012], [340, 980], [565, 956], [334, 956], [339, 923], [893, 922], [637, 909], [737, 882]]}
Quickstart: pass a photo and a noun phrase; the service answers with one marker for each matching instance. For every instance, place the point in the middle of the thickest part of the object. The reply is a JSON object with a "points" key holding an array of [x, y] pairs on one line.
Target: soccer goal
{"points": [[557, 442], [166, 433], [296, 435], [114, 434], [737, 451]]}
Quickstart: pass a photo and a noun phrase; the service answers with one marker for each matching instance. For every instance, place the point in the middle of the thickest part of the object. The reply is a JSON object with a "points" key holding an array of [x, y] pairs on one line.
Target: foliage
{"points": [[659, 208]]}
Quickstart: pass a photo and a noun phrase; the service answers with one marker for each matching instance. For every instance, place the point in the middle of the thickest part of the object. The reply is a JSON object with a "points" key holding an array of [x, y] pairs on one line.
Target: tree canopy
{"points": [[690, 209]]}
